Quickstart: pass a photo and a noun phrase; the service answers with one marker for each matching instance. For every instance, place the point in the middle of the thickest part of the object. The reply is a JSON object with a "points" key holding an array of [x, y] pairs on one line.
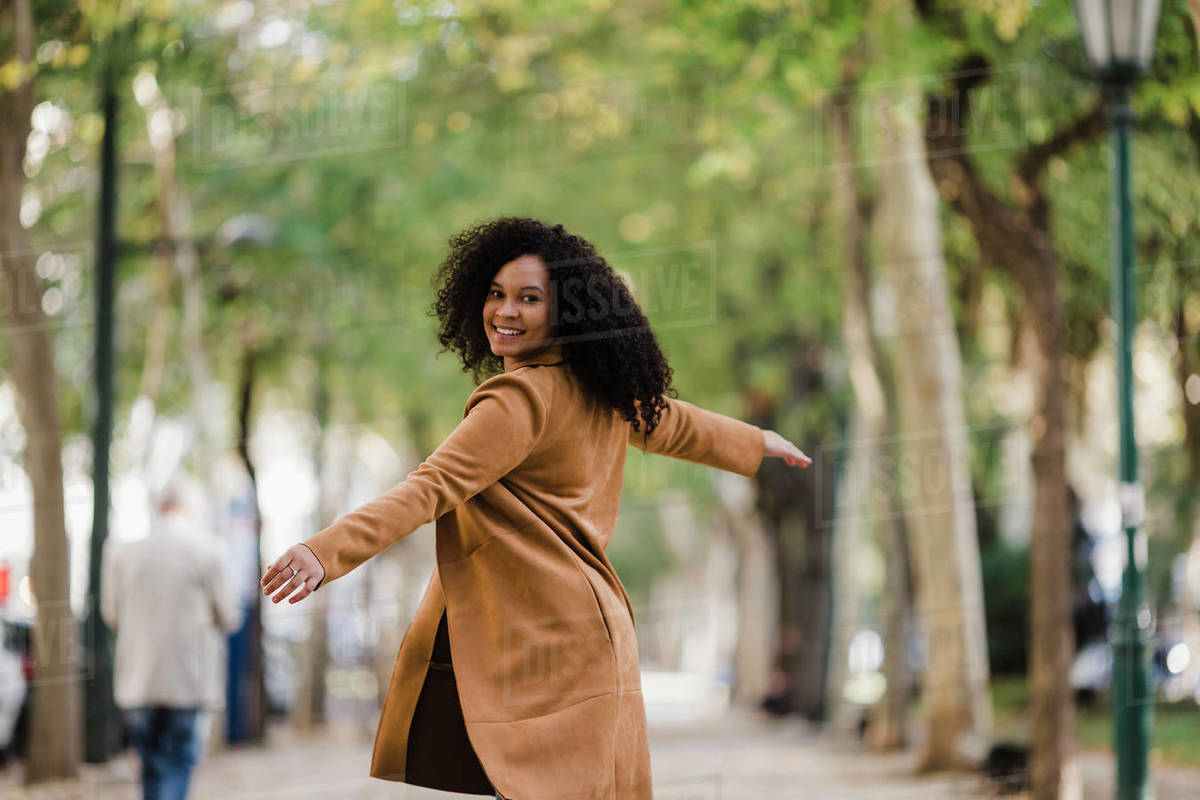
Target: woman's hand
{"points": [[780, 447], [298, 568]]}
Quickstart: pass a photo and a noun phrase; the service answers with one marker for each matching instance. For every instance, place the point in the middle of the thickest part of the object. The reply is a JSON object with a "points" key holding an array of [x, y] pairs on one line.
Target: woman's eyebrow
{"points": [[538, 288]]}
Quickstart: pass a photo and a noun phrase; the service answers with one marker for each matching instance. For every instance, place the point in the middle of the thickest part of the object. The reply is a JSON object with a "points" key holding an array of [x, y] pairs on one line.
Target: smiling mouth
{"points": [[517, 332]]}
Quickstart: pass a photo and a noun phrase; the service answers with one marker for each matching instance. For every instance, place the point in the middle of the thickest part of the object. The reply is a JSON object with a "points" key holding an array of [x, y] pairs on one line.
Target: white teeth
{"points": [[509, 331]]}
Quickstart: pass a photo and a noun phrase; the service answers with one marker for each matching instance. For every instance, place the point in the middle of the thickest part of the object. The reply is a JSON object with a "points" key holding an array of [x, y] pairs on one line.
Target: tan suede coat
{"points": [[541, 645]]}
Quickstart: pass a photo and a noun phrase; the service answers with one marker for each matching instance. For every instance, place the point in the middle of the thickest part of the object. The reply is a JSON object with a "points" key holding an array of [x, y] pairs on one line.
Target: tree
{"points": [[54, 749], [1016, 239], [868, 418], [933, 467]]}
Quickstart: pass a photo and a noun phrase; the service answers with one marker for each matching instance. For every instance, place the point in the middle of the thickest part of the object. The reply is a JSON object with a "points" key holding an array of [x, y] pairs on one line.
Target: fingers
{"points": [[277, 566], [797, 459], [305, 591], [271, 572], [292, 585], [780, 447], [276, 577]]}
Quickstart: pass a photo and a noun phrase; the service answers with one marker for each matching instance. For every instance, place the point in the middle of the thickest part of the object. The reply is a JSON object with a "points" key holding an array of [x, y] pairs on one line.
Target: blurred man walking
{"points": [[167, 600]]}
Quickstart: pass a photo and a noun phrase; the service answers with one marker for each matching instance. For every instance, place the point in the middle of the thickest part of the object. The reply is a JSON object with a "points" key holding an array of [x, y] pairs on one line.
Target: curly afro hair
{"points": [[606, 339]]}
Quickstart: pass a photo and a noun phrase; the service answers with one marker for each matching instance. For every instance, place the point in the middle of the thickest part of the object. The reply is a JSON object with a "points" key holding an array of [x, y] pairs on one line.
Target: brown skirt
{"points": [[440, 755]]}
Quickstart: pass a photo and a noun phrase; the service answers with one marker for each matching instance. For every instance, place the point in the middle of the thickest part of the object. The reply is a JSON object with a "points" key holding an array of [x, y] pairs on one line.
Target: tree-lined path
{"points": [[740, 757]]}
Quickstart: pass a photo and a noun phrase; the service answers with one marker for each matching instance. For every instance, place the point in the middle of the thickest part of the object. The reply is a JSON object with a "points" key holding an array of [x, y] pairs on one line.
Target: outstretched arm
{"points": [[505, 418], [695, 434]]}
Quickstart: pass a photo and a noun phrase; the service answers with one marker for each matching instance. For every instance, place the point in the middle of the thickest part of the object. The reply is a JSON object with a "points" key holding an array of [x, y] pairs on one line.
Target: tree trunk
{"points": [[257, 711], [812, 665], [677, 622], [1052, 772], [849, 593], [144, 409], [934, 471], [1187, 364], [1015, 236], [310, 711], [314, 663], [888, 728], [1194, 8], [54, 749], [757, 590], [788, 506], [854, 511], [210, 410]]}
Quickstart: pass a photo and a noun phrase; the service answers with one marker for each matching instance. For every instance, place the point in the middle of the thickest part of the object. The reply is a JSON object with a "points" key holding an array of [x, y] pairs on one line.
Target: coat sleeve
{"points": [[504, 419], [696, 434]]}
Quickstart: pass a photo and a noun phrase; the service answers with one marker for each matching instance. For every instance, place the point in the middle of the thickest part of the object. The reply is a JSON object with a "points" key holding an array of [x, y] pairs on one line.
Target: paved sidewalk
{"points": [[742, 757]]}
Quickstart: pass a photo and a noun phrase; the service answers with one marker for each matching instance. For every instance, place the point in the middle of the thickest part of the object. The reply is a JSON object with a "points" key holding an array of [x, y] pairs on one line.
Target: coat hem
{"points": [[388, 697]]}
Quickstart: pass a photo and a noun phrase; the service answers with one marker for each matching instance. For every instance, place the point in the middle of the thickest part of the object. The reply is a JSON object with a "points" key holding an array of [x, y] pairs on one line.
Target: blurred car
{"points": [[16, 674], [1092, 670]]}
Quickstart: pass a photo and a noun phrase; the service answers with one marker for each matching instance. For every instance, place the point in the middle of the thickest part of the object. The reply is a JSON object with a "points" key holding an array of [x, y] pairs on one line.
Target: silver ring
{"points": [[294, 570]]}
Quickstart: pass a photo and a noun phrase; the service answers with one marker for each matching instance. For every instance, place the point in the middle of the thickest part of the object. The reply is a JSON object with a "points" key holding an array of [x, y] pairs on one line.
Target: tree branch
{"points": [[1001, 227], [1194, 8], [1033, 161]]}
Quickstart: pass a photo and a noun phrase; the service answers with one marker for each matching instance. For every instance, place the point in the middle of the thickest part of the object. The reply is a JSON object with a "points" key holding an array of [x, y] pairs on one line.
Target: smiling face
{"points": [[518, 300]]}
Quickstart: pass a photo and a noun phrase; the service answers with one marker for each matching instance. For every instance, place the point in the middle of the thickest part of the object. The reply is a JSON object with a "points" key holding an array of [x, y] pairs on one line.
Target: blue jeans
{"points": [[167, 742]]}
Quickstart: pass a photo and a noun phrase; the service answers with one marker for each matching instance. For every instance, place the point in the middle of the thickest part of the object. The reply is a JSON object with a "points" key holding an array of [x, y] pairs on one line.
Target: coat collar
{"points": [[549, 355]]}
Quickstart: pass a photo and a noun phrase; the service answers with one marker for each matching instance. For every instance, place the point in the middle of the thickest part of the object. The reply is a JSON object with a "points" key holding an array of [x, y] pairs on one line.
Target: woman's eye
{"points": [[498, 293]]}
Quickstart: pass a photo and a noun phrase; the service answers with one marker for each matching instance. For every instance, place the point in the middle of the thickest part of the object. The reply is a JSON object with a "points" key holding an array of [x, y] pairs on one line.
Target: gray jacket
{"points": [[168, 600]]}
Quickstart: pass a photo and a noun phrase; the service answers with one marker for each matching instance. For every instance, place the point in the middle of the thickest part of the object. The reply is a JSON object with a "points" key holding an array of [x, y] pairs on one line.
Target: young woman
{"points": [[519, 673]]}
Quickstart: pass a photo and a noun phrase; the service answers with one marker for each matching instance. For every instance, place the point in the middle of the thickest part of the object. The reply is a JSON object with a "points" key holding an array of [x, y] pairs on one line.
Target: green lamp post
{"points": [[1119, 37]]}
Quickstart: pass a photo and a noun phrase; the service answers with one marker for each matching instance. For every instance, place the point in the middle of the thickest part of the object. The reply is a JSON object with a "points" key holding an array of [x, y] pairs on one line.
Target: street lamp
{"points": [[1119, 38]]}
